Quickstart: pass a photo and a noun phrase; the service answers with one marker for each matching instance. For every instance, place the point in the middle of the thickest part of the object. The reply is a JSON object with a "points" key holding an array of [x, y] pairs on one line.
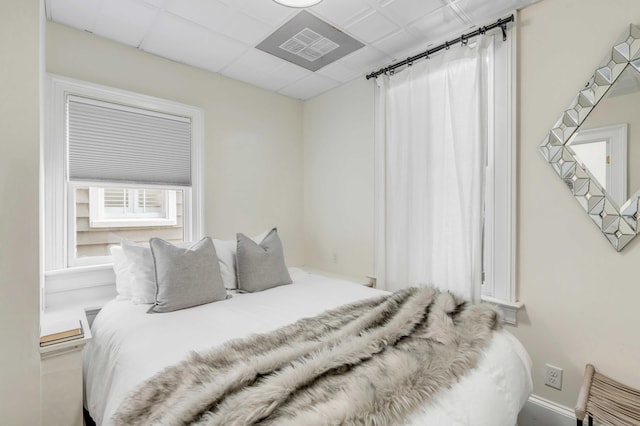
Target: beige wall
{"points": [[19, 222], [253, 138], [580, 295], [338, 171]]}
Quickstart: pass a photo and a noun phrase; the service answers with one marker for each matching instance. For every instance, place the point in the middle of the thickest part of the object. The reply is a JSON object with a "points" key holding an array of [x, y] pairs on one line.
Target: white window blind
{"points": [[108, 142]]}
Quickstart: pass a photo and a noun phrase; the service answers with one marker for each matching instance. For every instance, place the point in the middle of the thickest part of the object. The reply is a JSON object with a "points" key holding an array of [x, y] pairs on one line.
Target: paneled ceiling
{"points": [[220, 35]]}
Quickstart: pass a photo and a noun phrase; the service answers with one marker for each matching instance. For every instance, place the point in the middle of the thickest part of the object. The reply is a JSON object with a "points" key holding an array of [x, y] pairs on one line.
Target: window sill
{"points": [[78, 277], [132, 223], [79, 287], [509, 309]]}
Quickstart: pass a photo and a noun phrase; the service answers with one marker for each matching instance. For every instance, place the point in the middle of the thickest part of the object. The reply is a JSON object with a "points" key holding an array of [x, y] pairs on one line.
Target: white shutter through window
{"points": [[150, 200], [116, 198], [109, 142]]}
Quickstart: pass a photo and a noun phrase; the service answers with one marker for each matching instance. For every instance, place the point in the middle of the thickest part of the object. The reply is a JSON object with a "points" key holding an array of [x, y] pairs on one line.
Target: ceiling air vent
{"points": [[309, 45], [309, 42]]}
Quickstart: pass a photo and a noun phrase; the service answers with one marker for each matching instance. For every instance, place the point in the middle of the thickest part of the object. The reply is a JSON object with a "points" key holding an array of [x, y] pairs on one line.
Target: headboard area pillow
{"points": [[141, 272], [122, 270], [135, 275], [138, 270], [261, 266], [185, 277], [226, 250]]}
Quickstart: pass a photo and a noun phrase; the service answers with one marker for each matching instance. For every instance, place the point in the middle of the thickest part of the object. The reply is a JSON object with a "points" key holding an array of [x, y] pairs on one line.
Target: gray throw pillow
{"points": [[261, 266], [185, 277]]}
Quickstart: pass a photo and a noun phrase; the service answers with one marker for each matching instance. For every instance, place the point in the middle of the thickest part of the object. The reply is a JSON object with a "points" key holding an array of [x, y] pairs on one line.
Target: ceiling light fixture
{"points": [[298, 3]]}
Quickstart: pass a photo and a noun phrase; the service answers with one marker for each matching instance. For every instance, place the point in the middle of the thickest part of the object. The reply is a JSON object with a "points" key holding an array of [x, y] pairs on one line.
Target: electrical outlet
{"points": [[553, 377]]}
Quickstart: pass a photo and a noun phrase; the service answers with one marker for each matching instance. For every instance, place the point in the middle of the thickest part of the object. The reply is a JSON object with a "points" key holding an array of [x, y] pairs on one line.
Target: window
{"points": [[117, 165], [105, 215], [498, 239], [131, 207]]}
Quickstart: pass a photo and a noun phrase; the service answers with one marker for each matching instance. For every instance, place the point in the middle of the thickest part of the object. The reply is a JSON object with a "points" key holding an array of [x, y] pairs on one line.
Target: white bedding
{"points": [[129, 346]]}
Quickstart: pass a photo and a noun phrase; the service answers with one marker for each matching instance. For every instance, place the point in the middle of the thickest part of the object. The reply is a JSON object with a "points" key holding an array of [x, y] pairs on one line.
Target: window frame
{"points": [[58, 217], [499, 253]]}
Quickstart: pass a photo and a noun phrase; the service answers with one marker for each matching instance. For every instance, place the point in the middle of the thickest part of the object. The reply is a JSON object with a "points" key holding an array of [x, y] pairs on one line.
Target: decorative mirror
{"points": [[595, 145]]}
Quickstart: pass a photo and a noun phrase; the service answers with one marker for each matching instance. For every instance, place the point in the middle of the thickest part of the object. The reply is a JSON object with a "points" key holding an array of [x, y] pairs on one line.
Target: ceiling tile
{"points": [[371, 27], [171, 35], [365, 60], [183, 41], [233, 3], [436, 27], [222, 18], [339, 72], [309, 87], [245, 29], [461, 13], [80, 14], [398, 42], [160, 4], [340, 12], [215, 52], [264, 70], [482, 13], [208, 13], [407, 11], [268, 11], [128, 28], [380, 3]]}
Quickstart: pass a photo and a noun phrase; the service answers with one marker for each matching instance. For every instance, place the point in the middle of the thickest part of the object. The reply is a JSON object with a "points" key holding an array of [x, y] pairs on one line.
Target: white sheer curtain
{"points": [[430, 155]]}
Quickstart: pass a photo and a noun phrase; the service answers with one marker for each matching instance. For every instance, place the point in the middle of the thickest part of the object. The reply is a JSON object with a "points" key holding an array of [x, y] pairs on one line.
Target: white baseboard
{"points": [[542, 412]]}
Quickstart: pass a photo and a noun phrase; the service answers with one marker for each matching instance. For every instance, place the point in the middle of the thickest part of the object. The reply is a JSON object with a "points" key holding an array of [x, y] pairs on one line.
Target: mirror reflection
{"points": [[608, 141]]}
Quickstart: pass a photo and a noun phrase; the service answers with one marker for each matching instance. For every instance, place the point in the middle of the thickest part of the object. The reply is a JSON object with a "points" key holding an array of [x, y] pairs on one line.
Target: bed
{"points": [[130, 346]]}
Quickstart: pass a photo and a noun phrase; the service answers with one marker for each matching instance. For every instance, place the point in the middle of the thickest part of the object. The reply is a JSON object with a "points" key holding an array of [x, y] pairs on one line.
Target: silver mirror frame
{"points": [[619, 225]]}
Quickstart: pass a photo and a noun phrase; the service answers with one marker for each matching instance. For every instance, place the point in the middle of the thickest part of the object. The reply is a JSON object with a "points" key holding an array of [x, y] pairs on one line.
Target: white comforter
{"points": [[129, 346]]}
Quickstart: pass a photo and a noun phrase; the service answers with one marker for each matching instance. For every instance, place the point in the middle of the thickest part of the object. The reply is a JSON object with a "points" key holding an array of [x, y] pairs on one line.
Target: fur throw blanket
{"points": [[372, 362]]}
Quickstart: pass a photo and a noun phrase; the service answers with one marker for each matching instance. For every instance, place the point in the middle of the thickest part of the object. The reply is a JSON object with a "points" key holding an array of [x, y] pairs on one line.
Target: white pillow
{"points": [[297, 274], [122, 269], [141, 272], [226, 250]]}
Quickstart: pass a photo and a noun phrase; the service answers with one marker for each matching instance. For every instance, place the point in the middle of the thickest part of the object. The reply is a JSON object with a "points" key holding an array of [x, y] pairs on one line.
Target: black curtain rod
{"points": [[502, 23]]}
